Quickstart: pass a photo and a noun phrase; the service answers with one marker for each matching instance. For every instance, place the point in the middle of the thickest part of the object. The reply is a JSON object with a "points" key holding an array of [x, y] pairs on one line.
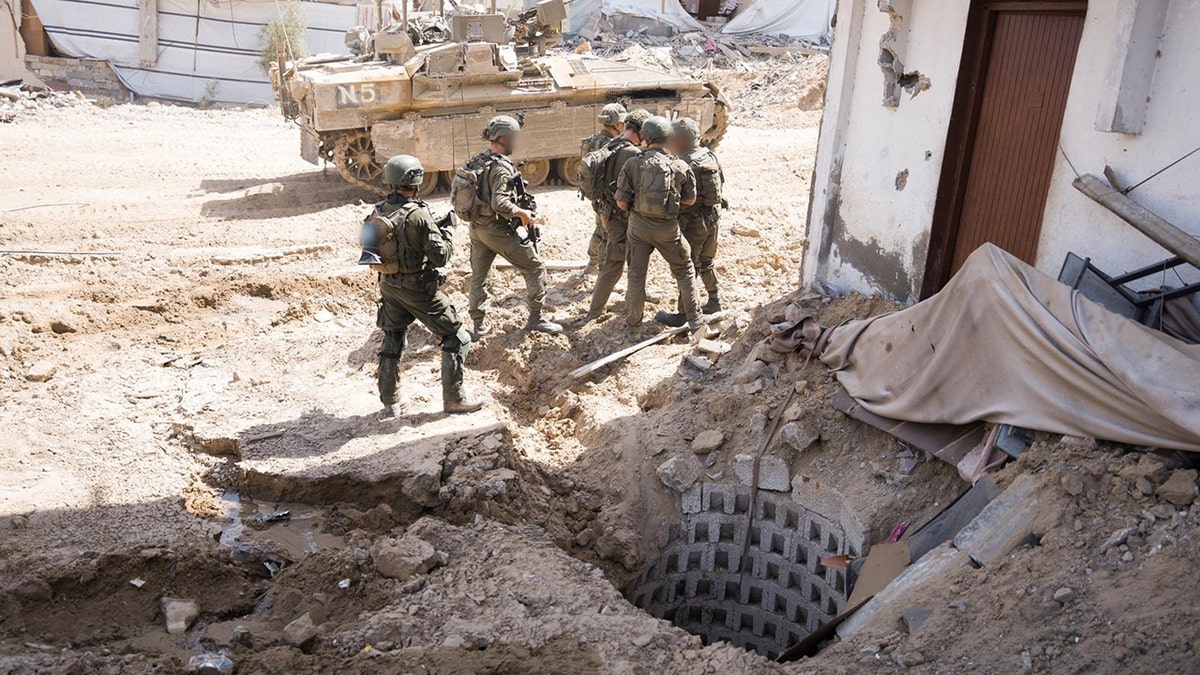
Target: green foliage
{"points": [[285, 32]]}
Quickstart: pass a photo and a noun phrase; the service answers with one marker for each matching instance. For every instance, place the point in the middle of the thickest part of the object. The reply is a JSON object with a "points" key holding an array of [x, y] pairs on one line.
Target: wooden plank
{"points": [[148, 32], [585, 370], [1147, 222]]}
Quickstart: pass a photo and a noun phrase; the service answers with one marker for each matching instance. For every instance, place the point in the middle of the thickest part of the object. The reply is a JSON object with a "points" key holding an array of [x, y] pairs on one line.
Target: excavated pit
{"points": [[777, 597]]}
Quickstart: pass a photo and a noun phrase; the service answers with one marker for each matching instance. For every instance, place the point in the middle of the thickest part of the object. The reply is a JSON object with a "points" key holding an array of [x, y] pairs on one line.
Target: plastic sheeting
{"points": [[1004, 343], [668, 12], [804, 19], [206, 48]]}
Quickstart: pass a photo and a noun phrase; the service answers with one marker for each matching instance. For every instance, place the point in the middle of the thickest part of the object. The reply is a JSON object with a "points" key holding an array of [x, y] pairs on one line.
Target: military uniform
{"points": [[649, 233], [596, 244], [412, 294], [616, 227], [699, 221], [492, 236]]}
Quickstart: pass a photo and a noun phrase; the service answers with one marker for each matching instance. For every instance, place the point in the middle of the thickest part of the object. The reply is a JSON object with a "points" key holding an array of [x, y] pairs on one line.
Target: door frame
{"points": [[964, 118]]}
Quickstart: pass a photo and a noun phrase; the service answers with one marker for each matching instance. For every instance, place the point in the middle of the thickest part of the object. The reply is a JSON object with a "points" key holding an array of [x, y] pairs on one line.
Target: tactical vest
{"points": [[409, 259]]}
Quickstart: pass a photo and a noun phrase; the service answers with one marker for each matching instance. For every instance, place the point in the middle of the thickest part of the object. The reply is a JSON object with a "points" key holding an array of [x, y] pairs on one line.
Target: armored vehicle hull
{"points": [[356, 112]]}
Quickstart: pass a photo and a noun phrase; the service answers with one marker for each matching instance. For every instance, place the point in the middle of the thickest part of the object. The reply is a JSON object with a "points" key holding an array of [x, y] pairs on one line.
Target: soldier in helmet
{"points": [[411, 293], [615, 221], [651, 189], [491, 233], [698, 222], [612, 120]]}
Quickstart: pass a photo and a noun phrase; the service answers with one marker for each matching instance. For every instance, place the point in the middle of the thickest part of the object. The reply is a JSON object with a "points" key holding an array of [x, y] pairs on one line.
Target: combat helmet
{"points": [[636, 118], [403, 171], [611, 115], [656, 129], [500, 126], [686, 127]]}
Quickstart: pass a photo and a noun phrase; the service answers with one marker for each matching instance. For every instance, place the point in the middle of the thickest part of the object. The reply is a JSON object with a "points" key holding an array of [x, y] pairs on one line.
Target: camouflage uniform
{"points": [[699, 221], [492, 236], [616, 227], [651, 233], [412, 294], [596, 244]]}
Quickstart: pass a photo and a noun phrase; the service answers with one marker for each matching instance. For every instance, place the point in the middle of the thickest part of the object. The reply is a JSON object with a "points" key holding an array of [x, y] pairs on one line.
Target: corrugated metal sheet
{"points": [[1025, 89]]}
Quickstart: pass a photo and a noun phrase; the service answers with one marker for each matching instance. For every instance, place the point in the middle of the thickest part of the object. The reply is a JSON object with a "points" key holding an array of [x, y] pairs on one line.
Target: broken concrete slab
{"points": [[1020, 515], [708, 441], [301, 632], [799, 435], [680, 472], [882, 613], [773, 472]]}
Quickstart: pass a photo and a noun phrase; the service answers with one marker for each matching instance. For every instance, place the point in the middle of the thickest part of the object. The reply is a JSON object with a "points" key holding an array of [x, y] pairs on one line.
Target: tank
{"points": [[433, 100]]}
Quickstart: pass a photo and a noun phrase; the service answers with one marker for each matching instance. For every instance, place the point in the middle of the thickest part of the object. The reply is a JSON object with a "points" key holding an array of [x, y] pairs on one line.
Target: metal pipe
{"points": [[404, 16], [378, 16]]}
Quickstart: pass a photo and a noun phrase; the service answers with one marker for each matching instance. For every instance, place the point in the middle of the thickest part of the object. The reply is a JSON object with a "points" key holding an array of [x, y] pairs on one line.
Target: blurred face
{"points": [[510, 142], [675, 144]]}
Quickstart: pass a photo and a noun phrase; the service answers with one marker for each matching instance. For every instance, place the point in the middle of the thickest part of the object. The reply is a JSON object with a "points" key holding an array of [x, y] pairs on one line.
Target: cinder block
{"points": [[1021, 514]]}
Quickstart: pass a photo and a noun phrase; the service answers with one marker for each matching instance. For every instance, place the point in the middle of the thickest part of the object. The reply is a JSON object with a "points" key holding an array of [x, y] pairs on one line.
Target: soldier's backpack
{"points": [[383, 234], [595, 170], [657, 192], [466, 189]]}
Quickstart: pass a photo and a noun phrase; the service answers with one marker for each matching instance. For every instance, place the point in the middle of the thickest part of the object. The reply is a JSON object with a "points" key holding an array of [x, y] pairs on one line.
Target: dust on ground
{"points": [[191, 325]]}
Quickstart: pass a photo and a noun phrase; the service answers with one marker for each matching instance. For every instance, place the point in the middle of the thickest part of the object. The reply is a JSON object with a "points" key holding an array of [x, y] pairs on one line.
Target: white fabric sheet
{"points": [[805, 19]]}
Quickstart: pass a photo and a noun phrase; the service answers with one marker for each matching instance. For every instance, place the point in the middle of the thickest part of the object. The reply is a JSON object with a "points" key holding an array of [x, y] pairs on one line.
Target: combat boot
{"points": [[482, 329], [463, 405], [669, 320], [713, 305], [537, 323]]}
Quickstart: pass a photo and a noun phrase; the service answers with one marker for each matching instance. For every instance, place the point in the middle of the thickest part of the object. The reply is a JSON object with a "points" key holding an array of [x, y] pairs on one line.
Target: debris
{"points": [[137, 582], [773, 472], [41, 371], [343, 584], [1063, 594], [698, 362], [242, 636], [592, 367], [281, 517], [914, 617], [680, 472], [180, 614], [1117, 539], [323, 316], [798, 435], [1017, 517], [405, 558], [301, 632], [908, 464], [745, 231], [210, 664], [1180, 488], [837, 562], [714, 347], [708, 441]]}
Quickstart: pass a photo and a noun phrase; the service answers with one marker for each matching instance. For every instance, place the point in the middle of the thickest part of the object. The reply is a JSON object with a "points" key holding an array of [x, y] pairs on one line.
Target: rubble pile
{"points": [[21, 99]]}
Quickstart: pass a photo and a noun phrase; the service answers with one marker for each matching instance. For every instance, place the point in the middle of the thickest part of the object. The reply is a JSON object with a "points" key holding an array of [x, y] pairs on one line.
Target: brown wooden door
{"points": [[1009, 116]]}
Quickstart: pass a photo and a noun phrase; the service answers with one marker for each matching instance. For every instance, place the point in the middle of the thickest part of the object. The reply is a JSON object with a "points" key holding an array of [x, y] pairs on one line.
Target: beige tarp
{"points": [[1005, 343]]}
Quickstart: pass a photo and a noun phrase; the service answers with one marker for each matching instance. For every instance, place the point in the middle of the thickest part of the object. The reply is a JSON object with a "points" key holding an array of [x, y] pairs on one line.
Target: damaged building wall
{"points": [[878, 167]]}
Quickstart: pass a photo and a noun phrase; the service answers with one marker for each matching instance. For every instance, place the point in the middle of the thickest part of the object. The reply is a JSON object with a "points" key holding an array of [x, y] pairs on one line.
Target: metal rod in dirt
{"points": [[583, 371]]}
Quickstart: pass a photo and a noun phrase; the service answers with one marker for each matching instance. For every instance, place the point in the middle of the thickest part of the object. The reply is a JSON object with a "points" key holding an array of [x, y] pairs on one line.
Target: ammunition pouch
{"points": [[427, 280]]}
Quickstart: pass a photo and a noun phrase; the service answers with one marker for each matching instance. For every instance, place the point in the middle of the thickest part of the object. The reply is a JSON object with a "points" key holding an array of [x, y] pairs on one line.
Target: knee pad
{"points": [[456, 341]]}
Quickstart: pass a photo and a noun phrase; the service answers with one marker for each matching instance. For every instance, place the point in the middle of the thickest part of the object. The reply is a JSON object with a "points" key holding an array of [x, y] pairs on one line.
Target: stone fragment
{"points": [[1073, 484], [405, 558], [242, 636], [1180, 488], [180, 614], [1149, 467], [1117, 539], [300, 632], [908, 465], [743, 230], [680, 472], [915, 616], [41, 371], [1144, 486], [698, 362], [708, 441], [773, 472], [758, 424], [799, 435], [1063, 594]]}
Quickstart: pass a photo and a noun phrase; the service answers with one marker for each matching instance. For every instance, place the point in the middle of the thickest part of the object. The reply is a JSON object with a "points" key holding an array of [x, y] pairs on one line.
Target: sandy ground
{"points": [[224, 339]]}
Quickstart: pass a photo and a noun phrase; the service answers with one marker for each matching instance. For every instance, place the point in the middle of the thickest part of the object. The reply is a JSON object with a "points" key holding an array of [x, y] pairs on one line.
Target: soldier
{"points": [[698, 222], [615, 221], [412, 292], [651, 189], [612, 119], [492, 234]]}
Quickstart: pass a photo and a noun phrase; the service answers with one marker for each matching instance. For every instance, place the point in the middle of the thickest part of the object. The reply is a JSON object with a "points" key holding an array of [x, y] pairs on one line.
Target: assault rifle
{"points": [[527, 235]]}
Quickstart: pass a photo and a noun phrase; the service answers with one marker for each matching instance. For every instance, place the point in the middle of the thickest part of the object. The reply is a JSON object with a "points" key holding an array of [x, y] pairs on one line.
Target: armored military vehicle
{"points": [[433, 100]]}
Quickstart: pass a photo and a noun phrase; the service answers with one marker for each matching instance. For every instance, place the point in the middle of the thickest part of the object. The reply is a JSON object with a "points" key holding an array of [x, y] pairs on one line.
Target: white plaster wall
{"points": [[873, 144], [1075, 223]]}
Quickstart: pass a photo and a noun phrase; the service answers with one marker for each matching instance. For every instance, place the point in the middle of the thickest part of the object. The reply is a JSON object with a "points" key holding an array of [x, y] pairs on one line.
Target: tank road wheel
{"points": [[567, 169], [354, 157], [712, 137], [536, 171], [429, 184]]}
